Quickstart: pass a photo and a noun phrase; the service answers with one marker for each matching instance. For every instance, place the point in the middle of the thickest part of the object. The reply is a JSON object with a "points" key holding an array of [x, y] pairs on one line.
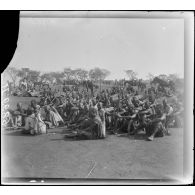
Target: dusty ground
{"points": [[52, 156]]}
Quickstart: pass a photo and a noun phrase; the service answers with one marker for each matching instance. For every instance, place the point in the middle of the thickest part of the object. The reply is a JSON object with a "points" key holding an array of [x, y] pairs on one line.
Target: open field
{"points": [[53, 156], [116, 157]]}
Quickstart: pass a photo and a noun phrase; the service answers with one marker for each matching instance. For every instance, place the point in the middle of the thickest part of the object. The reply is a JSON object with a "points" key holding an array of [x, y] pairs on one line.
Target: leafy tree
{"points": [[95, 74], [131, 74], [81, 74], [98, 74], [12, 72]]}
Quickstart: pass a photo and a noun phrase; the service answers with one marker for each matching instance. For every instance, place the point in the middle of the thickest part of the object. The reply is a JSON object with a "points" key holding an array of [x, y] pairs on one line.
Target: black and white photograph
{"points": [[96, 97]]}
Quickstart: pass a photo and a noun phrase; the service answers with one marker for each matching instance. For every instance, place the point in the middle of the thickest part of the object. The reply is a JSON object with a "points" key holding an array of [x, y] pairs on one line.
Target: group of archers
{"points": [[94, 116]]}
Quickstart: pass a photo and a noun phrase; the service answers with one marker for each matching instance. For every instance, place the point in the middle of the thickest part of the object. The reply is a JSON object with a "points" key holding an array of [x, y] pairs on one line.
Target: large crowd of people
{"points": [[87, 115]]}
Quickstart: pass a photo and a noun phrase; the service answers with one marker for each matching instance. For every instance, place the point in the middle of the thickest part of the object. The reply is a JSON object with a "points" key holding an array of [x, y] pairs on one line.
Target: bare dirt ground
{"points": [[53, 156]]}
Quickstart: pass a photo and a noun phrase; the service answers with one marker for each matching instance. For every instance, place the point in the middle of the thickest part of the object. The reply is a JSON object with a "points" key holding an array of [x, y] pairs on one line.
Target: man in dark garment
{"points": [[117, 117], [32, 106], [125, 117], [68, 109], [93, 129]]}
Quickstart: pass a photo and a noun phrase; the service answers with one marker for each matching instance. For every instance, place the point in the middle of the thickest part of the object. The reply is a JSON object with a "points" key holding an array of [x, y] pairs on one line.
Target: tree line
{"points": [[97, 75]]}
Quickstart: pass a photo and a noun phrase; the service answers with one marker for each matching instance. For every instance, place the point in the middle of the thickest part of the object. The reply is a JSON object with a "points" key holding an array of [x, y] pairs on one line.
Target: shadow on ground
{"points": [[140, 136], [16, 133]]}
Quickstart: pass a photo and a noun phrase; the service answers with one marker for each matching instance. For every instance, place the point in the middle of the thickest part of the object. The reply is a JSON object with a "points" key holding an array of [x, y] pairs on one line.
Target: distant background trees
{"points": [[98, 75], [68, 74], [132, 75], [79, 75], [12, 73]]}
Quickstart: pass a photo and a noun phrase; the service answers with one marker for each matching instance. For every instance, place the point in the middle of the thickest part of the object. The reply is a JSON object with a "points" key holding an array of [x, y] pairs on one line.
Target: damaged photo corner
{"points": [[99, 98]]}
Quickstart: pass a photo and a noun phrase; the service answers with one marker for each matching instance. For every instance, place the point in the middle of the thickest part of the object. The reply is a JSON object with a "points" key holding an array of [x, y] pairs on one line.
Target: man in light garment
{"points": [[101, 112]]}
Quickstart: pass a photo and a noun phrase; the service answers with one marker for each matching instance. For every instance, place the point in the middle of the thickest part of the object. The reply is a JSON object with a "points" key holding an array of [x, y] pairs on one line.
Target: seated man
{"points": [[17, 117], [125, 117], [32, 105], [109, 117], [94, 128], [52, 118], [141, 117], [68, 109], [34, 124], [74, 113], [29, 122], [117, 119], [81, 114], [168, 110], [156, 126], [136, 102]]}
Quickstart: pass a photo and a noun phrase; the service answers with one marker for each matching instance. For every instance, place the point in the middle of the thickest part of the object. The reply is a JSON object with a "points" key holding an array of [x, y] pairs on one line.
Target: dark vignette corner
{"points": [[9, 25]]}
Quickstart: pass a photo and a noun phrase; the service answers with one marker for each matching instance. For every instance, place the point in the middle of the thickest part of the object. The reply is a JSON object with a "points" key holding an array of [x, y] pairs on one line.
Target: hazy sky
{"points": [[143, 45]]}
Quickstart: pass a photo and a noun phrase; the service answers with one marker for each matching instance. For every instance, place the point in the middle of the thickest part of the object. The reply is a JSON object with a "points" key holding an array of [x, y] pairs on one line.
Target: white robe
{"points": [[102, 117]]}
